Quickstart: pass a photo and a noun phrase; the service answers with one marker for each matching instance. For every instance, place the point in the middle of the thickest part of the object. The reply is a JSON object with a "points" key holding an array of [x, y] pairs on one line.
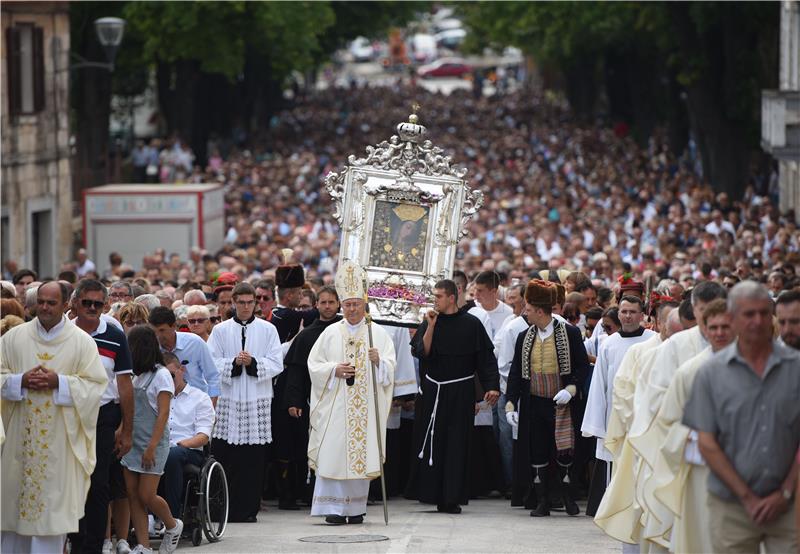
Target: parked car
{"points": [[451, 38], [445, 67], [361, 50]]}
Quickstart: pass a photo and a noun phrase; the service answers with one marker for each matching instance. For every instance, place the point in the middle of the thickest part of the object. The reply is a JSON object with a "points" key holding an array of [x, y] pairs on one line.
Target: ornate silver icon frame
{"points": [[402, 210]]}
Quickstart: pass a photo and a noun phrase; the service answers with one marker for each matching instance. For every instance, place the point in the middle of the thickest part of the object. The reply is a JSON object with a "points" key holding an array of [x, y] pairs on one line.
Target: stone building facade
{"points": [[36, 202]]}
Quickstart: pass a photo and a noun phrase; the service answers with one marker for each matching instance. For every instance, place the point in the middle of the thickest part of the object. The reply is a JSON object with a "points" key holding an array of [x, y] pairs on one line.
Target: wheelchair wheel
{"points": [[197, 536], [214, 500]]}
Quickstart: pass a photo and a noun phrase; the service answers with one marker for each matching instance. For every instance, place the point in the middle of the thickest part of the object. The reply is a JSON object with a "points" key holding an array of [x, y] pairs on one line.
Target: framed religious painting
{"points": [[402, 210]]}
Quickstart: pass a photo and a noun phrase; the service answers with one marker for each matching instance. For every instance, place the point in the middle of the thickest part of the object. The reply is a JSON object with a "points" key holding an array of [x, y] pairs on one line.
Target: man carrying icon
{"points": [[452, 347]]}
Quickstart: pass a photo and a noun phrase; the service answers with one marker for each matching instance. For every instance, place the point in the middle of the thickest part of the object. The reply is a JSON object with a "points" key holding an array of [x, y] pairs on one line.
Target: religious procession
{"points": [[424, 319]]}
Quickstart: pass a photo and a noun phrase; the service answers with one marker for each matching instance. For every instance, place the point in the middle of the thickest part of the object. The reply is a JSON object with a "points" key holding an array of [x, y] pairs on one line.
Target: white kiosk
{"points": [[136, 219]]}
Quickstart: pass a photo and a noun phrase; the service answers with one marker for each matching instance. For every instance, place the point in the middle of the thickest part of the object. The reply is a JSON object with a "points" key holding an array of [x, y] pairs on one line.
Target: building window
{"points": [[25, 47]]}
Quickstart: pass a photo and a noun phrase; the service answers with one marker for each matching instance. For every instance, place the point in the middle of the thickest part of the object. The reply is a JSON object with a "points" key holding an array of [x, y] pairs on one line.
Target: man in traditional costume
{"points": [[646, 439], [343, 447], [617, 514], [680, 470], [298, 381], [52, 383], [599, 402], [288, 450], [452, 347], [549, 367], [247, 353]]}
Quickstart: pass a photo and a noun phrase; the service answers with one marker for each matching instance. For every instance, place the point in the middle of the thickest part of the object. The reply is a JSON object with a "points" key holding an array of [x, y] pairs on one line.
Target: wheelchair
{"points": [[205, 501]]}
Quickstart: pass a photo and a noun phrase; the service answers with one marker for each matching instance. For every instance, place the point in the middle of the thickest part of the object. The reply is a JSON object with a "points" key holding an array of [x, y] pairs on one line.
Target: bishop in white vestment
{"points": [[343, 439]]}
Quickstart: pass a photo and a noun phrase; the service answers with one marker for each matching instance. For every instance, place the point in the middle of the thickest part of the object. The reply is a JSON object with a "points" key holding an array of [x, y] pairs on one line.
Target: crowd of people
{"points": [[142, 375], [573, 355]]}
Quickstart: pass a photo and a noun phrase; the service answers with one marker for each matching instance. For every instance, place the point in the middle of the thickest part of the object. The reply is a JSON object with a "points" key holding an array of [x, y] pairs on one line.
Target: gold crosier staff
{"points": [[377, 410]]}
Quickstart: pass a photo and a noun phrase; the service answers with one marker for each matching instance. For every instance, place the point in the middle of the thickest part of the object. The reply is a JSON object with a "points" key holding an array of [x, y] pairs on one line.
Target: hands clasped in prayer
{"points": [[40, 378]]}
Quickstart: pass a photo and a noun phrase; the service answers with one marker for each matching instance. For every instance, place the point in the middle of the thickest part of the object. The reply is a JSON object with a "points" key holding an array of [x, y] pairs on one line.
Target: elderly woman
{"points": [[199, 320]]}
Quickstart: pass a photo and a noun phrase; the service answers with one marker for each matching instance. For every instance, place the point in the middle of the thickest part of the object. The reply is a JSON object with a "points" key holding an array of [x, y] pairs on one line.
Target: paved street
{"points": [[484, 526]]}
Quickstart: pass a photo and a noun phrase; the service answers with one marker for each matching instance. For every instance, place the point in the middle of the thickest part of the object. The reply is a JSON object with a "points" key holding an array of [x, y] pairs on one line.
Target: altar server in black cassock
{"points": [[298, 385], [452, 347], [287, 452], [549, 367]]}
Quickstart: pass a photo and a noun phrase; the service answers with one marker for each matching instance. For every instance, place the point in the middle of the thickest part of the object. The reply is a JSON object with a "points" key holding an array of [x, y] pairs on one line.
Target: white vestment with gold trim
{"points": [[343, 442]]}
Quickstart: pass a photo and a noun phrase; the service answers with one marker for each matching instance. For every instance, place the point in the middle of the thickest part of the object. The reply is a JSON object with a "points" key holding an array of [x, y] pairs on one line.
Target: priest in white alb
{"points": [[343, 447], [680, 472], [52, 381]]}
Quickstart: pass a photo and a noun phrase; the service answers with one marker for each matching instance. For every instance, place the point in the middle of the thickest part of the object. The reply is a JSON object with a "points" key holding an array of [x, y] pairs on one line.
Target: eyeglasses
{"points": [[96, 304], [263, 298], [118, 295], [196, 321], [215, 319]]}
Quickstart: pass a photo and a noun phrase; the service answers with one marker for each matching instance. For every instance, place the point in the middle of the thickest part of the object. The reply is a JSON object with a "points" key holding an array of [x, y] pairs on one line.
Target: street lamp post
{"points": [[110, 31]]}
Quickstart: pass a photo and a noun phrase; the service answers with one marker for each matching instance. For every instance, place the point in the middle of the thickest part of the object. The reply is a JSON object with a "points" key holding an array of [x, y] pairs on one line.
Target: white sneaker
{"points": [[171, 537], [108, 546], [139, 549], [123, 547]]}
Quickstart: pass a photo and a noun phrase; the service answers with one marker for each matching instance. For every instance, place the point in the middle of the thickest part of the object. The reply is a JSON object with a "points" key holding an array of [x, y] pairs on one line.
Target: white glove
{"points": [[562, 397], [512, 418]]}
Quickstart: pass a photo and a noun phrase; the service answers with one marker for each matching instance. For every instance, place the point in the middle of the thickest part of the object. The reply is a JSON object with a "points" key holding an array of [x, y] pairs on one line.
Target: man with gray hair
{"points": [[744, 406], [150, 301], [195, 297]]}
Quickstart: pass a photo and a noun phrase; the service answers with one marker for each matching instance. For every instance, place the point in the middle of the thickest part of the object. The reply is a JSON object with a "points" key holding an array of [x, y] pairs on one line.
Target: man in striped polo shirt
{"points": [[115, 419]]}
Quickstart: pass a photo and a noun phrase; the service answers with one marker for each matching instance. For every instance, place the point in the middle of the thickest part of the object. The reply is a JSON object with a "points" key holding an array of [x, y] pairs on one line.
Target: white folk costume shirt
{"points": [[48, 442], [244, 403], [342, 441], [599, 401], [504, 343]]}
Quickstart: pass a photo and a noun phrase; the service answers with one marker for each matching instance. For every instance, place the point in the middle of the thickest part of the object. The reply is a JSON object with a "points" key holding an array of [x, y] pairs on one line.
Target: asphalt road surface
{"points": [[486, 526]]}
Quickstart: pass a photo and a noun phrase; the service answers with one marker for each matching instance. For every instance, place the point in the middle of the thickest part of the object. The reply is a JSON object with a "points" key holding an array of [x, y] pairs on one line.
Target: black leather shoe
{"points": [[448, 508], [335, 520], [355, 520]]}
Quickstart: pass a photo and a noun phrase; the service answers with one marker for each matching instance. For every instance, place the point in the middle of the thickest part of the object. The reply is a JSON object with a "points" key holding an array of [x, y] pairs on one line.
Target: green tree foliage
{"points": [[651, 55]]}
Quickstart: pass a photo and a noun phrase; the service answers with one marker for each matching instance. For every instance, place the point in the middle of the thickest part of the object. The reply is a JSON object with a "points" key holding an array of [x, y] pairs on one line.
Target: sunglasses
{"points": [[196, 321], [96, 304], [263, 298], [215, 319]]}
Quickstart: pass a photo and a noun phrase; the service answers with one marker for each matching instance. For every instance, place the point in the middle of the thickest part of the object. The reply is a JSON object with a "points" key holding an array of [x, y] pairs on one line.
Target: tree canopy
{"points": [[695, 64]]}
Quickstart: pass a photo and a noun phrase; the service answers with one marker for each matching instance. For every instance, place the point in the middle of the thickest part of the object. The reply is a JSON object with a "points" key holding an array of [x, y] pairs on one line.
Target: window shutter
{"points": [[38, 69], [13, 78]]}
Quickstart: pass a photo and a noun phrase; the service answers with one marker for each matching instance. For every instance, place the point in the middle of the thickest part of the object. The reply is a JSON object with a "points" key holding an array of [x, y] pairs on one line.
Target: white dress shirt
{"points": [[191, 412]]}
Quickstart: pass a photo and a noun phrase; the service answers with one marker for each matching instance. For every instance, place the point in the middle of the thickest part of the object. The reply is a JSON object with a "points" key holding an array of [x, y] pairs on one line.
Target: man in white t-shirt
{"points": [[486, 296], [191, 418]]}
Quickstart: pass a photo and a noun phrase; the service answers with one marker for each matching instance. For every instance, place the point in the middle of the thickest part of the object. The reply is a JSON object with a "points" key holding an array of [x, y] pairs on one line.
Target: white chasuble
{"points": [[49, 453], [646, 439], [343, 441], [680, 473]]}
